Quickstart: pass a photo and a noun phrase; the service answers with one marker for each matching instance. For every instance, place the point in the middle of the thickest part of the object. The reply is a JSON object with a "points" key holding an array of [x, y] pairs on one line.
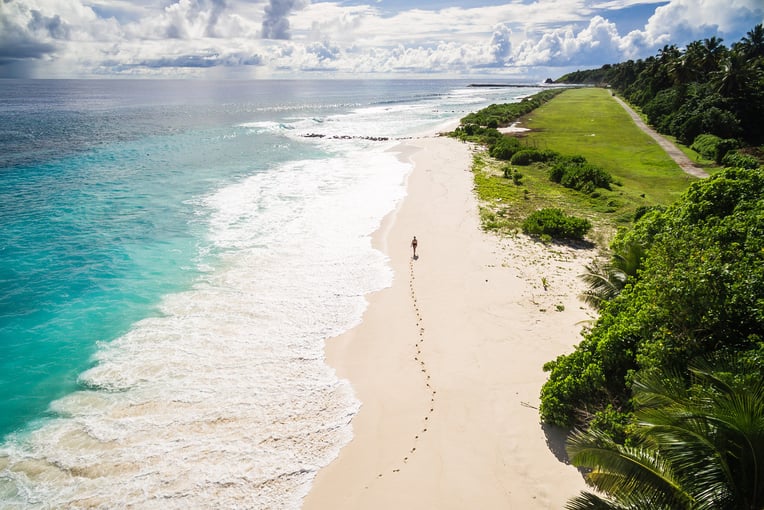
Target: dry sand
{"points": [[448, 361]]}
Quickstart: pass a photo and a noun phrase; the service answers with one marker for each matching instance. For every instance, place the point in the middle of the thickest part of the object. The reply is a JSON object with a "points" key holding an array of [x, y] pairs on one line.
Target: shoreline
{"points": [[447, 360]]}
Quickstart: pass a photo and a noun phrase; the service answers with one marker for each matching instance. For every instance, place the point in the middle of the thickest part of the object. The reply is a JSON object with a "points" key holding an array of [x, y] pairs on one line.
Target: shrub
{"points": [[705, 145], [504, 148], [528, 156], [524, 157], [723, 147], [517, 177], [735, 159], [644, 209], [555, 223], [713, 147], [575, 173], [549, 155]]}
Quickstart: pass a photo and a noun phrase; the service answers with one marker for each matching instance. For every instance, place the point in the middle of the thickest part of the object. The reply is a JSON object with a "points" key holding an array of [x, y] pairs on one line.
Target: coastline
{"points": [[447, 361]]}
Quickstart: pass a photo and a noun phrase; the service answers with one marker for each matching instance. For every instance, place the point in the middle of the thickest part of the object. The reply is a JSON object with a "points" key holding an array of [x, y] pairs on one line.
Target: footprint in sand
{"points": [[421, 362]]}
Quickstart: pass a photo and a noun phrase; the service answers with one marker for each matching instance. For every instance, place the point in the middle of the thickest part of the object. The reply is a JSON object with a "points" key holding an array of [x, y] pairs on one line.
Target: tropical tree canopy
{"points": [[699, 292], [606, 280], [703, 88], [697, 445]]}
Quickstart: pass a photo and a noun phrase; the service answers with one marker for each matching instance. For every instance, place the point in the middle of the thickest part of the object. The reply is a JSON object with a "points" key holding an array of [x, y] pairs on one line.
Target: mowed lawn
{"points": [[589, 122]]}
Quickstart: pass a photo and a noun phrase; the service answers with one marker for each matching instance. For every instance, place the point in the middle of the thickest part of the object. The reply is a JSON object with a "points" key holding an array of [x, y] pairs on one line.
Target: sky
{"points": [[250, 39]]}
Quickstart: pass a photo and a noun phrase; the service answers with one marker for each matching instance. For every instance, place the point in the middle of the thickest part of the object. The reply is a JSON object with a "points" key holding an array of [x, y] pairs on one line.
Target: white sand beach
{"points": [[448, 361]]}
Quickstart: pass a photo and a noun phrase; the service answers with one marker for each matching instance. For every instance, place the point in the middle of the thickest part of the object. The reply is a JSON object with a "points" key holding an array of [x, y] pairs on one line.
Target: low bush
{"points": [[517, 178], [735, 159], [524, 157], [505, 114], [505, 148], [575, 173], [713, 147], [705, 145], [528, 156], [556, 224]]}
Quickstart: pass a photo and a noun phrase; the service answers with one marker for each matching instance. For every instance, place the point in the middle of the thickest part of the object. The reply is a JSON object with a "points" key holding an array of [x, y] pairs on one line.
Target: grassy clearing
{"points": [[708, 165], [586, 122]]}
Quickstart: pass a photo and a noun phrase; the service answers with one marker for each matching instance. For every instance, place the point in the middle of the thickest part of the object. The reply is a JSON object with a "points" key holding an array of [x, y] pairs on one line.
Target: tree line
{"points": [[665, 391], [704, 88]]}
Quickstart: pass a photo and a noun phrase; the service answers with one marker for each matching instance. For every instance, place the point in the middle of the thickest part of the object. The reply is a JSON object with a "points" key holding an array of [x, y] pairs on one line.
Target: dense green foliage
{"points": [[739, 160], [697, 444], [712, 147], [498, 115], [481, 126], [504, 148], [605, 280], [528, 156], [584, 121], [703, 88], [699, 293], [556, 224], [576, 173]]}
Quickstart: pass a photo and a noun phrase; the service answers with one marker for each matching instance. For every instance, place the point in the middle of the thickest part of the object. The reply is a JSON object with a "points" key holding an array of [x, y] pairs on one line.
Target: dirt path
{"points": [[681, 159]]}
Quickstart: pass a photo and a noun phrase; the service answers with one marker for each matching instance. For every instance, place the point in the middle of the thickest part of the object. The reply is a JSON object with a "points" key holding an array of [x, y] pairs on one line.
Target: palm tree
{"points": [[735, 76], [713, 51], [753, 42], [692, 60], [607, 280], [694, 449]]}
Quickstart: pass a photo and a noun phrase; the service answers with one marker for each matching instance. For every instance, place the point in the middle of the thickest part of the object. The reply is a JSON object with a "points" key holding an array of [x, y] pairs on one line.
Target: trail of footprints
{"points": [[423, 367]]}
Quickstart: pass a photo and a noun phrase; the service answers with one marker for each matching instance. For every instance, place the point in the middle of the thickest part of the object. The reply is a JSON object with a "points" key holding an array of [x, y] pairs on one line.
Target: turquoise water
{"points": [[173, 256], [90, 243]]}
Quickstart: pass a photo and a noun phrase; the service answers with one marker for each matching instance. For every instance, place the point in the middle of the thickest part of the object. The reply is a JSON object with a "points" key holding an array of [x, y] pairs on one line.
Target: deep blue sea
{"points": [[173, 256]]}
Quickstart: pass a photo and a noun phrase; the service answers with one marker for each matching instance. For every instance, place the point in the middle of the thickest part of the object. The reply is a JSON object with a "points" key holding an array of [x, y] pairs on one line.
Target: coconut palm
{"points": [[607, 279], [694, 449], [753, 42]]}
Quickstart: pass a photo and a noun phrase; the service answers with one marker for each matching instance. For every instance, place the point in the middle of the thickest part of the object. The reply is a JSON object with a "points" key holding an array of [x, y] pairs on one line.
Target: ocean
{"points": [[173, 257]]}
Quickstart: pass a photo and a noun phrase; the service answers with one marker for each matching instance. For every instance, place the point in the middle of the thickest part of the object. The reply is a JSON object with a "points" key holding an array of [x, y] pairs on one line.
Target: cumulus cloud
{"points": [[501, 43], [282, 37], [52, 26], [27, 33], [599, 43], [186, 19], [693, 18], [276, 21], [218, 6]]}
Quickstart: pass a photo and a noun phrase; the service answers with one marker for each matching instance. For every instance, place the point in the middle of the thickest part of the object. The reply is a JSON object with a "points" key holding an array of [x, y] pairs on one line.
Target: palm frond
{"points": [[630, 475], [590, 501], [604, 283]]}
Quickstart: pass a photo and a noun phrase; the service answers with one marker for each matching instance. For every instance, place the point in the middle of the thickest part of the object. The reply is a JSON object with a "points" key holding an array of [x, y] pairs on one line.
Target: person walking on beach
{"points": [[413, 246]]}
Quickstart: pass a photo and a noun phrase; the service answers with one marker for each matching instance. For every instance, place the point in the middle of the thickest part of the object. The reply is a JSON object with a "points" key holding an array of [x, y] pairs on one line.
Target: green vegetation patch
{"points": [[497, 115], [585, 188], [587, 121], [555, 224], [698, 294]]}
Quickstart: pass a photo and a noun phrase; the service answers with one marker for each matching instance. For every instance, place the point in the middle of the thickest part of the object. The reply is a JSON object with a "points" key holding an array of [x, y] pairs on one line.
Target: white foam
{"points": [[224, 400]]}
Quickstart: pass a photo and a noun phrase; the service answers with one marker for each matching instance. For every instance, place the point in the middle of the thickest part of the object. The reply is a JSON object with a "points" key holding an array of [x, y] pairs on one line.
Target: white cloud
{"points": [[501, 43], [191, 36], [599, 42]]}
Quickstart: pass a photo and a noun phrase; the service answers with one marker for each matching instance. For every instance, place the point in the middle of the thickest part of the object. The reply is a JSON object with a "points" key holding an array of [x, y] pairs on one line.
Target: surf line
{"points": [[419, 359]]}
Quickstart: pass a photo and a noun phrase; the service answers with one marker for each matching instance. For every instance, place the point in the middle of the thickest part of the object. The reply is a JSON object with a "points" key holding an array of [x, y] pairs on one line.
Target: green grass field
{"points": [[590, 123]]}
